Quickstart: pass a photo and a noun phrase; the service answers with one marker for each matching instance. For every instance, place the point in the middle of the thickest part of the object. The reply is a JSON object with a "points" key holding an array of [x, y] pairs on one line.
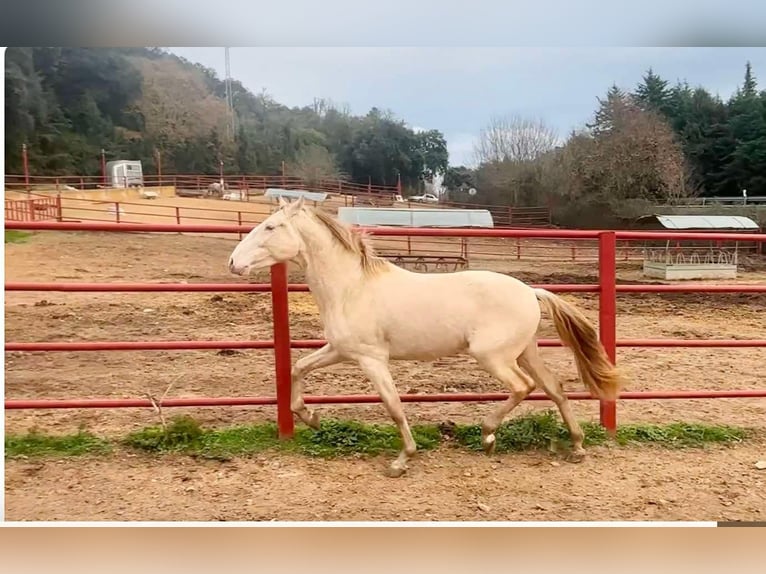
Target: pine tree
{"points": [[610, 108], [746, 168], [653, 94]]}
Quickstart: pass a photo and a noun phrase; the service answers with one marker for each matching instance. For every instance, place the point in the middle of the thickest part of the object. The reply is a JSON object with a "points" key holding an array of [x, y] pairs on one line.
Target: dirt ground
{"points": [[621, 484]]}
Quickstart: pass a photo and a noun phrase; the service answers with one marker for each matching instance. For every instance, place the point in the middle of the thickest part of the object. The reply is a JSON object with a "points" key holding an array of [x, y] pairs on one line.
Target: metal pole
{"points": [[607, 322], [25, 161], [103, 167], [282, 358]]}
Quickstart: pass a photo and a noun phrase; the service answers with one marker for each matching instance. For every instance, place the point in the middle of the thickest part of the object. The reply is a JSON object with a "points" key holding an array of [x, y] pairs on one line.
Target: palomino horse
{"points": [[374, 312]]}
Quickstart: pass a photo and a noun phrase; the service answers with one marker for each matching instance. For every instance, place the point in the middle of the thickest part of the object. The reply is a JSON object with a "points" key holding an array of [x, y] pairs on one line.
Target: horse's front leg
{"points": [[379, 374], [323, 357]]}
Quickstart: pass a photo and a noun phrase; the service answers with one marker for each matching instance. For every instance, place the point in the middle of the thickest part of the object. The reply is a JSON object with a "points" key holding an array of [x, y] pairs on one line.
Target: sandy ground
{"points": [[630, 484]]}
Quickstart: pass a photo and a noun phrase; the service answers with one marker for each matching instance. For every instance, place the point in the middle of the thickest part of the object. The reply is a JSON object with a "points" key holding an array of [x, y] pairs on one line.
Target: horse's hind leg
{"points": [[531, 362], [520, 384]]}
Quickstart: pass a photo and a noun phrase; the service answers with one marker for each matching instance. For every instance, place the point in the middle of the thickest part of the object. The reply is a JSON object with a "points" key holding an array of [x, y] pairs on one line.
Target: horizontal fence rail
{"points": [[17, 404], [394, 231], [303, 287], [317, 343], [606, 288]]}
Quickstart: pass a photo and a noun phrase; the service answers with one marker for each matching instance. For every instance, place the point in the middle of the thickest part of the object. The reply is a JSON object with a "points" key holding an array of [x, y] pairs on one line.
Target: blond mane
{"points": [[352, 241]]}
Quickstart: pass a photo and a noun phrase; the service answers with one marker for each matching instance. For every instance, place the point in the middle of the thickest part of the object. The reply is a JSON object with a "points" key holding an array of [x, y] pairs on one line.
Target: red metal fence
{"points": [[606, 288], [197, 182], [42, 208]]}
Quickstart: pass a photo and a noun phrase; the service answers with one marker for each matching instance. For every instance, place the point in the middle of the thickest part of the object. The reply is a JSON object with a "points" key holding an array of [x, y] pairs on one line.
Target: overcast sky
{"points": [[457, 90]]}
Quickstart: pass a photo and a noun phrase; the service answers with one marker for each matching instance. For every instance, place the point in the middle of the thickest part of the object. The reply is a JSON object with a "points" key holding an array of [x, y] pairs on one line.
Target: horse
{"points": [[374, 312], [215, 189]]}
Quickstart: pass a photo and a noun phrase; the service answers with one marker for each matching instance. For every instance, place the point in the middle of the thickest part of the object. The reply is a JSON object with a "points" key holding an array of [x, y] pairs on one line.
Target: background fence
{"points": [[606, 288], [49, 200]]}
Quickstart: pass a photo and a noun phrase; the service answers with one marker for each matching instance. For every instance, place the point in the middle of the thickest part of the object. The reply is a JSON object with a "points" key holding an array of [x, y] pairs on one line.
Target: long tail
{"points": [[576, 332]]}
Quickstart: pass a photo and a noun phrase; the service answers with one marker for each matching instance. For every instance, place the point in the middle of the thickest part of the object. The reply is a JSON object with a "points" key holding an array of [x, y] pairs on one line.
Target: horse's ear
{"points": [[296, 206], [283, 202]]}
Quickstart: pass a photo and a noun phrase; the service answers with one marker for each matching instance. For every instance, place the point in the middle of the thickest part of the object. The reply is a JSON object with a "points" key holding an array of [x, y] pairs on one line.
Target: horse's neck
{"points": [[330, 273]]}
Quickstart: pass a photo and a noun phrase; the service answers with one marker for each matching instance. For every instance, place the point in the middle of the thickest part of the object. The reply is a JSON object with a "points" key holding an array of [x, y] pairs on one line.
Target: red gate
{"points": [[42, 208]]}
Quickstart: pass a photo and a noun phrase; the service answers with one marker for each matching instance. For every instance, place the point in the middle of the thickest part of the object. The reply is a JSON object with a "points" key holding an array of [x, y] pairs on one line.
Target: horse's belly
{"points": [[424, 346]]}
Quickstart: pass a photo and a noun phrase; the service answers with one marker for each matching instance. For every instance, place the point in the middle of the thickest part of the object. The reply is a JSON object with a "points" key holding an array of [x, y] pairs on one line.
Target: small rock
{"points": [[761, 465], [147, 310], [483, 507], [555, 463], [467, 473], [228, 352]]}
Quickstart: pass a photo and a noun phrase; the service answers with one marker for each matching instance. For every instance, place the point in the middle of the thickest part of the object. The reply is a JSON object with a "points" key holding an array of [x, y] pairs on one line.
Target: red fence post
{"points": [[25, 161], [282, 358], [607, 319]]}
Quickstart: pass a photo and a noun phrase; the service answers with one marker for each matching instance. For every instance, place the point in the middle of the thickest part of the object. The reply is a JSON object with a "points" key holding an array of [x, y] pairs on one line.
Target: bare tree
{"points": [[637, 157], [515, 139], [314, 163]]}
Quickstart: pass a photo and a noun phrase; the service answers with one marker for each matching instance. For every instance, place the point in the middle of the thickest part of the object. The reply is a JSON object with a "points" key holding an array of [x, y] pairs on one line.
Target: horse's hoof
{"points": [[313, 421], [576, 456], [489, 443], [395, 471]]}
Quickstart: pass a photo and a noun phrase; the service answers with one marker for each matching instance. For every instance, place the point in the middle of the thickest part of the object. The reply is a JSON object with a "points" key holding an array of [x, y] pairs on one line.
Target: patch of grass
{"points": [[16, 236], [339, 438], [183, 434], [36, 444], [348, 438], [533, 431], [681, 435], [334, 438]]}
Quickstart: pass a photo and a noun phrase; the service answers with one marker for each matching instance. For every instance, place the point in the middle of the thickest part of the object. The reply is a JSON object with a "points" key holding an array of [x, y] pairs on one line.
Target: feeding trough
{"points": [[700, 259]]}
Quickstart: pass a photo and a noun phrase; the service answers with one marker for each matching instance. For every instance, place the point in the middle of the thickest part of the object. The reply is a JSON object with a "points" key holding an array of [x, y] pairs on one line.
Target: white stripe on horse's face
{"points": [[273, 241]]}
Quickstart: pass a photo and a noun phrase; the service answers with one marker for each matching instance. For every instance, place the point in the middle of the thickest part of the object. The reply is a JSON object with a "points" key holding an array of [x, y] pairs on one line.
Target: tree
{"points": [[610, 109], [514, 138], [746, 166], [635, 154], [433, 148], [314, 163], [653, 94], [458, 179]]}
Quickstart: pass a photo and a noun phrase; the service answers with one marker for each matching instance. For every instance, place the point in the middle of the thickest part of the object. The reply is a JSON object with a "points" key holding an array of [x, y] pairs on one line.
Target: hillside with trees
{"points": [[655, 144], [651, 144], [67, 104]]}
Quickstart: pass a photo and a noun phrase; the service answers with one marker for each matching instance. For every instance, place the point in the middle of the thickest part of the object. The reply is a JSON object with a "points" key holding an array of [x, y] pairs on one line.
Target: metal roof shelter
{"points": [[276, 192], [699, 222], [415, 217], [696, 259]]}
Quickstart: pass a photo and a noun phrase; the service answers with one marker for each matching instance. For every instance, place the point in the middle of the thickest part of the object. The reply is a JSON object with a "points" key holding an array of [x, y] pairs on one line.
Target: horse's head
{"points": [[273, 241]]}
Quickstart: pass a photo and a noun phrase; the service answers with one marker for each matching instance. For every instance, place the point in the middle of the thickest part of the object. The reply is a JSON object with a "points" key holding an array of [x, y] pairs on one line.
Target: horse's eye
{"points": [[269, 228]]}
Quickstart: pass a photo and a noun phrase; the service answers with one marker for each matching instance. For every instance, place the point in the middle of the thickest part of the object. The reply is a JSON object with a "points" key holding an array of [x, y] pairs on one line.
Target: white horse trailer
{"points": [[125, 173]]}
